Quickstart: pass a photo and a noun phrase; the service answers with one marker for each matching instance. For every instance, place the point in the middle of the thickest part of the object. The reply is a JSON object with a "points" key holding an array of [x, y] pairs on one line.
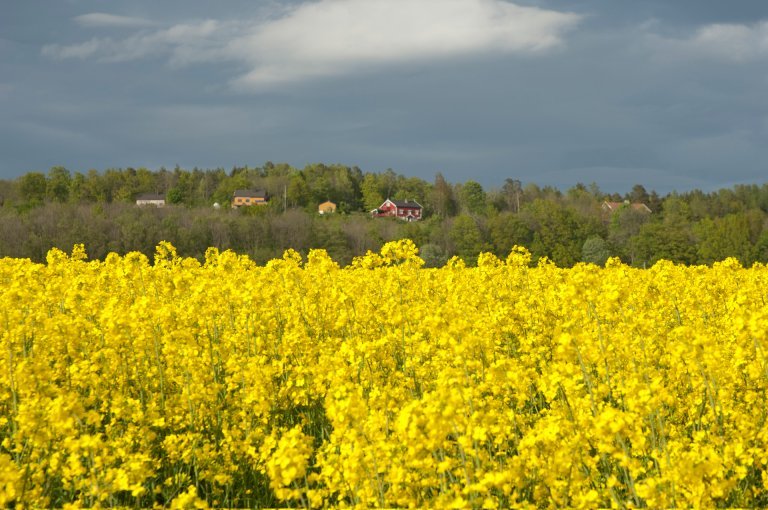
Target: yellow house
{"points": [[326, 207], [247, 198]]}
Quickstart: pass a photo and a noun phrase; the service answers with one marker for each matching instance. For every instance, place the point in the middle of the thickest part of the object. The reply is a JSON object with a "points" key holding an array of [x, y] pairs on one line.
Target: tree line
{"points": [[59, 208]]}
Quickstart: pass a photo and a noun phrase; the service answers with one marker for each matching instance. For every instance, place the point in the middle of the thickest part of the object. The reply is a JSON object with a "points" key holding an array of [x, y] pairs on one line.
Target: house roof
{"points": [[327, 203], [150, 196], [250, 193], [406, 203], [637, 206]]}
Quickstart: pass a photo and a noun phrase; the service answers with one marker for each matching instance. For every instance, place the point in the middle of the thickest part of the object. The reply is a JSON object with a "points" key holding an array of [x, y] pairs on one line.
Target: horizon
{"points": [[488, 188]]}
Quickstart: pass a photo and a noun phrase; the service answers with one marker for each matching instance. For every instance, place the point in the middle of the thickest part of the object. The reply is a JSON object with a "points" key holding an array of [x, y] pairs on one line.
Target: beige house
{"points": [[247, 198], [326, 208], [612, 207], [154, 199]]}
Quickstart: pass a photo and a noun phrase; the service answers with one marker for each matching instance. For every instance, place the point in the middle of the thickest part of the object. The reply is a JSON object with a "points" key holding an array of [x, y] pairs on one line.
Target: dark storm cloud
{"points": [[668, 94]]}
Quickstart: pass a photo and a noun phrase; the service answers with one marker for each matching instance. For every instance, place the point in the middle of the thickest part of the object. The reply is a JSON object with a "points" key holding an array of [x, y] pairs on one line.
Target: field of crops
{"points": [[178, 383]]}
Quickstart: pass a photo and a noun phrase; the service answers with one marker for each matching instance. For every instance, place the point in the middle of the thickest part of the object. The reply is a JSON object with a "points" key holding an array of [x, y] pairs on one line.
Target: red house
{"points": [[403, 209]]}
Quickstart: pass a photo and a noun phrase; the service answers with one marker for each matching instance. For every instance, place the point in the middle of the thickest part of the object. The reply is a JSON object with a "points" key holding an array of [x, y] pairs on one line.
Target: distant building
{"points": [[247, 198], [155, 199], [326, 208], [406, 210], [612, 207]]}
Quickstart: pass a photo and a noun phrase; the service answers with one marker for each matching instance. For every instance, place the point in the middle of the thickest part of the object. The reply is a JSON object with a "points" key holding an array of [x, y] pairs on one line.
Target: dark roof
{"points": [[406, 203], [150, 196], [249, 193]]}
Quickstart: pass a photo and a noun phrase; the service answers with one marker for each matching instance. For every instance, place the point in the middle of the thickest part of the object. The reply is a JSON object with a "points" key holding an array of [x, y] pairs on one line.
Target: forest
{"points": [[59, 208]]}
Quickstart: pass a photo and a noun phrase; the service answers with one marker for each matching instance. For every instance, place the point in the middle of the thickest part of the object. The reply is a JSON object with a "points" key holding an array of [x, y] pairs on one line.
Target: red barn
{"points": [[407, 210]]}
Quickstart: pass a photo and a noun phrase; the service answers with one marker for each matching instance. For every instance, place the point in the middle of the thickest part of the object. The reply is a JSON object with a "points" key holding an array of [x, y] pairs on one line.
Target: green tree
{"points": [[76, 188], [512, 190], [94, 187], [663, 240], [298, 192], [675, 209], [467, 238], [175, 196], [433, 255], [507, 230], [595, 250], [228, 185], [441, 197], [473, 197], [58, 184], [582, 200], [558, 233], [412, 189], [761, 247], [623, 225], [724, 237], [638, 194], [33, 187], [371, 191]]}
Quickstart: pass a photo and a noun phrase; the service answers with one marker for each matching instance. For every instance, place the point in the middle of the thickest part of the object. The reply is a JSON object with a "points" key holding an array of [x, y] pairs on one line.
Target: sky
{"points": [[667, 94]]}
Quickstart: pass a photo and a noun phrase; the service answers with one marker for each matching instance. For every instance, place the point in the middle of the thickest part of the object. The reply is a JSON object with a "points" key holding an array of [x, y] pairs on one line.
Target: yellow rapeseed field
{"points": [[130, 382]]}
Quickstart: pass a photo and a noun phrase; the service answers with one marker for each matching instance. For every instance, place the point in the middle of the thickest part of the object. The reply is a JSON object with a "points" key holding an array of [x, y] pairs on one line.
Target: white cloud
{"points": [[335, 37], [724, 41], [82, 50], [100, 19], [182, 44], [734, 42], [332, 37]]}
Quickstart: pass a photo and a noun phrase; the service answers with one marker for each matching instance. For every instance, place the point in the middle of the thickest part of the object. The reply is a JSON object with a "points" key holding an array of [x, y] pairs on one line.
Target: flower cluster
{"points": [[174, 382]]}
